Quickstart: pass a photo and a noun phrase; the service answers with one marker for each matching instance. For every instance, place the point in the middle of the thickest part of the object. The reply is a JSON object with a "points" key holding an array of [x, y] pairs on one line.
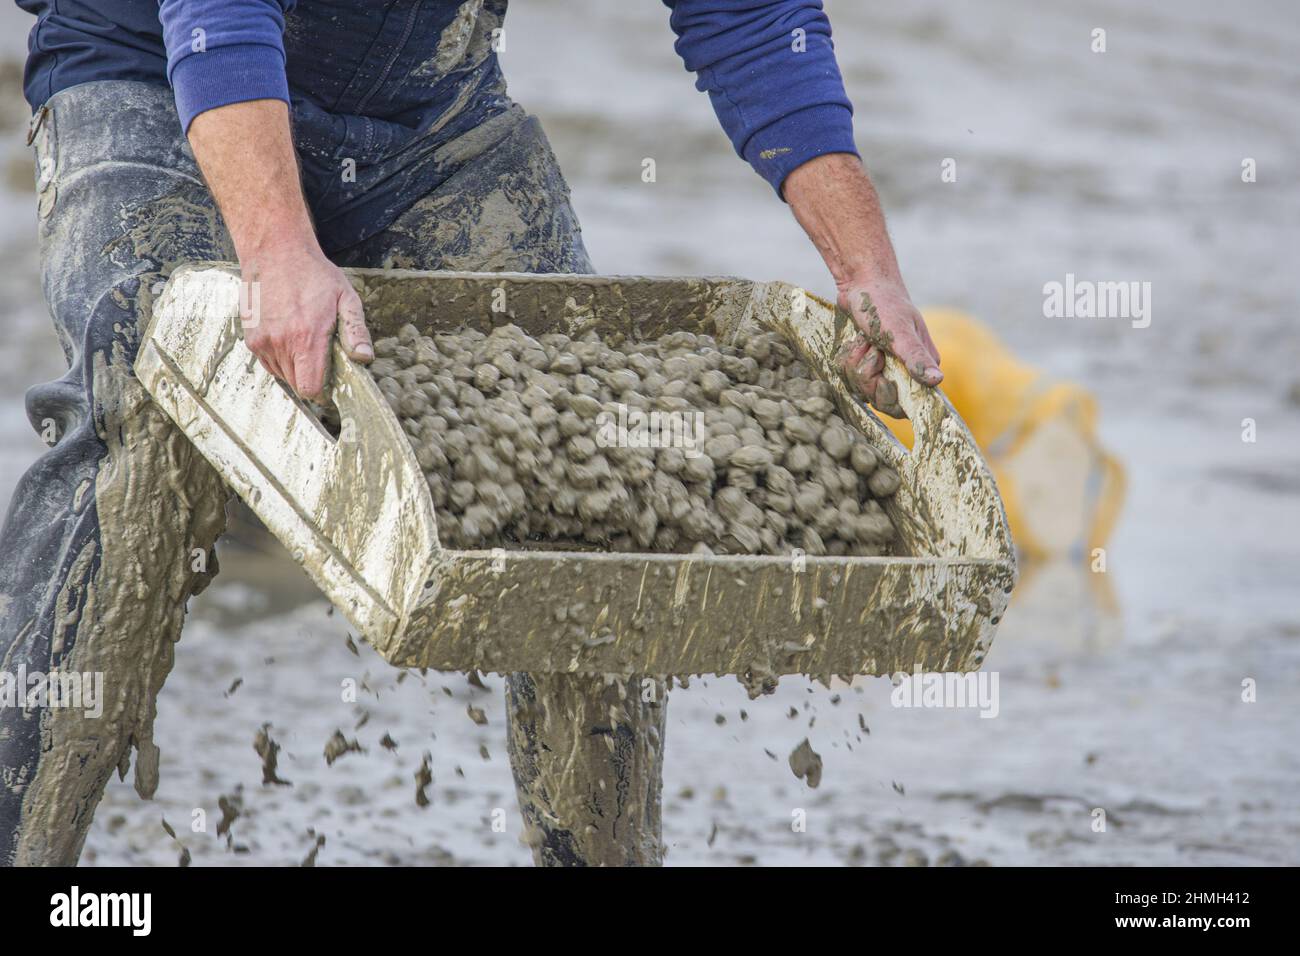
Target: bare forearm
{"points": [[246, 153], [833, 199]]}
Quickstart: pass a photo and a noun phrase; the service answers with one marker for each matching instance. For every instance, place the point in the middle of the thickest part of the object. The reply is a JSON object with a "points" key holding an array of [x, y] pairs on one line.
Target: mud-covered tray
{"points": [[354, 509]]}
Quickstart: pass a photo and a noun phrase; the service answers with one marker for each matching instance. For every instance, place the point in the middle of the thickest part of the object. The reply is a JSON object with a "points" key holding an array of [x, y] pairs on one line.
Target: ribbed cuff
{"points": [[779, 148], [228, 74]]}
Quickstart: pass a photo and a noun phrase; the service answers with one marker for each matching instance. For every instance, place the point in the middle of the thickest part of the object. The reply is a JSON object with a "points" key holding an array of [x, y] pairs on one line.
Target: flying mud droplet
{"points": [[806, 764], [423, 780], [230, 809], [310, 859], [338, 745], [269, 751]]}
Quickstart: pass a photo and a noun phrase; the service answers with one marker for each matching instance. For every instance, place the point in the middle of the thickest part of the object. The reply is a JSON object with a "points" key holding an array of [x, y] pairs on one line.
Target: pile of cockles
{"points": [[678, 444]]}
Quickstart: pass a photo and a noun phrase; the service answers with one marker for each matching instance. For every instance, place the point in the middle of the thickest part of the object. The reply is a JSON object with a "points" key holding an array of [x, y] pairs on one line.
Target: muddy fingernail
{"points": [[365, 350]]}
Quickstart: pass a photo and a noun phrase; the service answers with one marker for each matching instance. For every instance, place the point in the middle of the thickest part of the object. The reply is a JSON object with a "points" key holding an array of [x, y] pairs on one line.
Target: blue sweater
{"points": [[767, 65]]}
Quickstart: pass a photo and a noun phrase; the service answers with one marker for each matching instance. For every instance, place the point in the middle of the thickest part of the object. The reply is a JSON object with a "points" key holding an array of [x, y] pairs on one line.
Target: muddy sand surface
{"points": [[1154, 733]]}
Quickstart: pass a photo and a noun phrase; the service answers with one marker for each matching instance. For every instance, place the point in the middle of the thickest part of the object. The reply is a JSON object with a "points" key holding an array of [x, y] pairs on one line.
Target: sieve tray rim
{"points": [[714, 560], [937, 604]]}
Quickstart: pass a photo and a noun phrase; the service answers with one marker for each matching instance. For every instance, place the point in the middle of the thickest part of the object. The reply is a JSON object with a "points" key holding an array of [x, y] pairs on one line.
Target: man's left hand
{"points": [[888, 323]]}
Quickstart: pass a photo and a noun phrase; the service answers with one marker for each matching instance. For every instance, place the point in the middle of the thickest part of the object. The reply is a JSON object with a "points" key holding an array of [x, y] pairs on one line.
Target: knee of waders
{"points": [[56, 408]]}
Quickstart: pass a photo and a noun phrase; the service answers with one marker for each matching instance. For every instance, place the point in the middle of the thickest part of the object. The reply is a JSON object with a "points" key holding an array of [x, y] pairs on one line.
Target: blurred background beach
{"points": [[1123, 694]]}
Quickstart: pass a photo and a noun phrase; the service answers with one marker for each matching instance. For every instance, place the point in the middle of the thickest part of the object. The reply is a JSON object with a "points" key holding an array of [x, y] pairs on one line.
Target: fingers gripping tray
{"points": [[354, 510]]}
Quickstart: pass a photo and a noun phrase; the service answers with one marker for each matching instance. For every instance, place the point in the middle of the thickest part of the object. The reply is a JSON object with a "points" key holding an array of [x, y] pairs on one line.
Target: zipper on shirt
{"points": [[411, 18]]}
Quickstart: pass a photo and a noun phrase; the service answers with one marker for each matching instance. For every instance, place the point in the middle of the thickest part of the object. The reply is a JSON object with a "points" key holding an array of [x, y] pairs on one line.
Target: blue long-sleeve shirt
{"points": [[767, 65]]}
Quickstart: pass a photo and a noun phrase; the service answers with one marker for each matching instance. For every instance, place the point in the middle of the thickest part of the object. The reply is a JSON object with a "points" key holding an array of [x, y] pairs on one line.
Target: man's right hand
{"points": [[293, 300], [834, 200]]}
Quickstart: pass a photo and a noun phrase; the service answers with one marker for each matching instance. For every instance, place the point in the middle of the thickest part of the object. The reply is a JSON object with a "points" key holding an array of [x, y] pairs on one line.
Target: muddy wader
{"points": [[112, 530]]}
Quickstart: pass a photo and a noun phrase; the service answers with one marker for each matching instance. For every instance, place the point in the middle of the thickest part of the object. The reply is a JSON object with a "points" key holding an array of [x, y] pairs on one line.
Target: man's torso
{"points": [[413, 62], [378, 88]]}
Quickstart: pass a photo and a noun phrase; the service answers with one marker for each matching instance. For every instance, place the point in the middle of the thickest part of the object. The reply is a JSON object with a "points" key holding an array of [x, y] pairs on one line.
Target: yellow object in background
{"points": [[1062, 490]]}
